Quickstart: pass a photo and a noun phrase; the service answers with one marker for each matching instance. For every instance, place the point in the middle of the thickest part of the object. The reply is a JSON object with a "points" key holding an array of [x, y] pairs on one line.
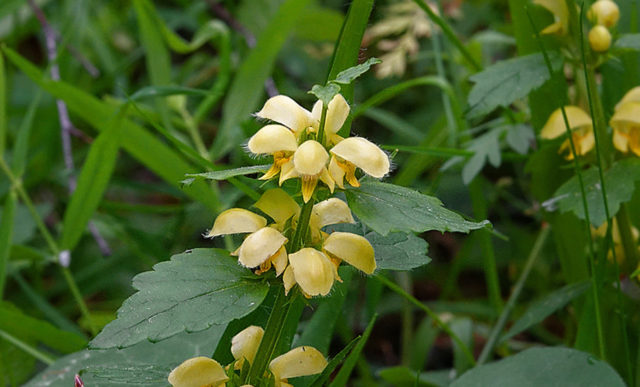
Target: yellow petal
{"points": [[271, 139], [278, 205], [560, 12], [620, 141], [586, 143], [337, 113], [353, 249], [280, 260], [555, 126], [286, 111], [327, 179], [236, 221], [604, 12], [313, 271], [300, 361], [632, 95], [599, 39], [198, 372], [310, 158], [288, 279], [364, 154], [260, 246], [288, 171], [331, 211], [336, 172], [627, 114], [308, 186], [245, 344]]}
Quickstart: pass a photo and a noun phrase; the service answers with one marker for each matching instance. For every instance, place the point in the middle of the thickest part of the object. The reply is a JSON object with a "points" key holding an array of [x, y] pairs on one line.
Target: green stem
{"points": [[6, 226], [391, 285], [192, 128], [303, 226], [517, 289], [43, 357], [323, 118], [404, 279]]}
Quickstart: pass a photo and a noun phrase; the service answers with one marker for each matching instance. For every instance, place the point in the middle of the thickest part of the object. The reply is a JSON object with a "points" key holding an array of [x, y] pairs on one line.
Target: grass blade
{"points": [[342, 377], [6, 228]]}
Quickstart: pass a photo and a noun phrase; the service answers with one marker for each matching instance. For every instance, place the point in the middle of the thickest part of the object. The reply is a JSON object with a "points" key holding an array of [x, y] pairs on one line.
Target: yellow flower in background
{"points": [[599, 38], [581, 130], [300, 361], [617, 239], [605, 13], [198, 372], [560, 13], [626, 122]]}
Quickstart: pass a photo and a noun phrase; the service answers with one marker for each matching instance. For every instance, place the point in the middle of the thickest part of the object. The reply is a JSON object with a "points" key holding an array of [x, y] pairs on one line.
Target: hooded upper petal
{"points": [[632, 95], [236, 221], [286, 111], [364, 154], [561, 14], [555, 126], [260, 246], [312, 271], [331, 211], [310, 158], [300, 361], [337, 113], [353, 249], [627, 114], [278, 205], [271, 139], [198, 372], [245, 344]]}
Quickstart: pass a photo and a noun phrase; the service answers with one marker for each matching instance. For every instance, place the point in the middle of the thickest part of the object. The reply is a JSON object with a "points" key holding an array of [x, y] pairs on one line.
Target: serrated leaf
{"points": [[166, 355], [193, 291], [507, 81], [347, 76], [542, 308], [227, 173], [386, 207], [325, 93], [543, 367], [619, 180], [628, 42], [520, 137], [485, 148]]}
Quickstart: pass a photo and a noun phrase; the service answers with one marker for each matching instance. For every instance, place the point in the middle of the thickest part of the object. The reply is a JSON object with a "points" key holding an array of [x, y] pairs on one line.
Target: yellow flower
{"points": [[312, 270], [358, 152], [560, 14], [300, 361], [198, 372], [599, 38], [244, 345], [337, 113], [325, 213], [605, 13], [581, 130], [310, 164], [626, 123], [617, 239], [276, 140], [351, 248]]}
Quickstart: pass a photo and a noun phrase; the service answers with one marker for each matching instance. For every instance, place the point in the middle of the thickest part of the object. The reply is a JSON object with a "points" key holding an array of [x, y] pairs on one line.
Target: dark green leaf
{"points": [[399, 251], [402, 376], [619, 180], [193, 291], [325, 93], [549, 367], [347, 76], [628, 42], [542, 308], [227, 173], [507, 81], [387, 207], [342, 377], [21, 145], [166, 355], [3, 107], [334, 363], [6, 231]]}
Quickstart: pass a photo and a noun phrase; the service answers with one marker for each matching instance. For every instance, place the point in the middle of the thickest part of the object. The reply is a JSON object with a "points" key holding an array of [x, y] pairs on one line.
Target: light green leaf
{"points": [[628, 42], [164, 355], [387, 207], [507, 81], [94, 178], [485, 148], [164, 91], [520, 137], [550, 367], [619, 180], [347, 76], [15, 364], [193, 291], [542, 308], [325, 93], [227, 173]]}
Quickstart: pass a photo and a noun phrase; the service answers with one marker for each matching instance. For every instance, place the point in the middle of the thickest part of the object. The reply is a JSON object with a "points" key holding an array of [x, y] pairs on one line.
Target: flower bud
{"points": [[599, 38], [604, 13]]}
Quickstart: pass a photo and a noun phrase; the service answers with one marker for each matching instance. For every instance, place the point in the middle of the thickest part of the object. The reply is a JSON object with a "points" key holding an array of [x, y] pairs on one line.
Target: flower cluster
{"points": [[302, 149], [203, 371]]}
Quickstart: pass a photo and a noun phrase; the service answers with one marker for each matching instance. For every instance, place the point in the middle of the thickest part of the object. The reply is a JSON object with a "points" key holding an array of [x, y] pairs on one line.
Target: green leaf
{"points": [[520, 137], [543, 367], [245, 92], [193, 291], [227, 173], [166, 355], [628, 42], [342, 377], [164, 91], [507, 81], [402, 376], [386, 207], [430, 151], [619, 180], [15, 364], [94, 178], [334, 363], [486, 148], [398, 251], [307, 27], [6, 231], [347, 76], [21, 144], [3, 107], [325, 93], [542, 308], [31, 329], [139, 143]]}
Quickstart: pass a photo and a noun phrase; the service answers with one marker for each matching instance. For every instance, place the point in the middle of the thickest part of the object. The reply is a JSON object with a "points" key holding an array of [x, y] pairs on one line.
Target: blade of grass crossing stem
{"points": [[92, 183], [587, 222], [322, 379], [342, 377], [158, 60], [46, 359], [3, 107], [245, 92], [152, 153], [6, 231], [345, 53], [21, 145]]}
